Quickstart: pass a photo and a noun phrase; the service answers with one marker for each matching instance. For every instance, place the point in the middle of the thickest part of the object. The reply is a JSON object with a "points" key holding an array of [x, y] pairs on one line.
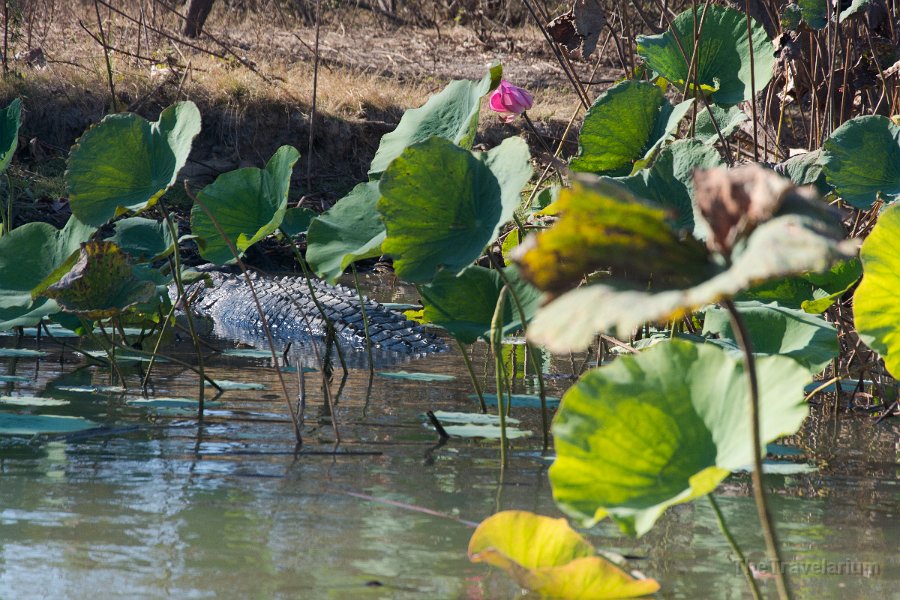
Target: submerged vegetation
{"points": [[702, 245]]}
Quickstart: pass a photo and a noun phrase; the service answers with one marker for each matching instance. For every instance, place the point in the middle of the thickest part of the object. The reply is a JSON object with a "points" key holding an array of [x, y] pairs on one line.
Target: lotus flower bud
{"points": [[510, 101]]}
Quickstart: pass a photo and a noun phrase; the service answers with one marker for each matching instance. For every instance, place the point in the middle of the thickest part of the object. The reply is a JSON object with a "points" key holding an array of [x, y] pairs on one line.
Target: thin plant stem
{"points": [[742, 560], [312, 111], [752, 82], [759, 493], [545, 417], [109, 71], [365, 318], [179, 285], [465, 355], [496, 341], [262, 316]]}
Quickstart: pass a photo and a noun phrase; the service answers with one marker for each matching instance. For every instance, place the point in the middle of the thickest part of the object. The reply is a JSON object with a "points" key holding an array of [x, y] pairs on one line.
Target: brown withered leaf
{"points": [[734, 201], [578, 30]]}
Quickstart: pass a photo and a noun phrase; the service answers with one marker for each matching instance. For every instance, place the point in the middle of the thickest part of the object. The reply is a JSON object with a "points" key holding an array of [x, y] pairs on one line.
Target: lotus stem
{"points": [[496, 342], [365, 319], [471, 370], [752, 82], [179, 285], [759, 493], [726, 533]]}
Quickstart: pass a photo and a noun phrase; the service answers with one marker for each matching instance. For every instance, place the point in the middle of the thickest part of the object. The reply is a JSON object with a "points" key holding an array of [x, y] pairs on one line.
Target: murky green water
{"points": [[165, 506]]}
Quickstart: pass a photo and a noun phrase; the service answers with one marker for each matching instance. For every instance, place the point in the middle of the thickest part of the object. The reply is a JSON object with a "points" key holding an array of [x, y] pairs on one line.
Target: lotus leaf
{"points": [[28, 255], [102, 283], [663, 427], [350, 230], [464, 305], [144, 239], [442, 204], [246, 204], [862, 161], [451, 114], [776, 330], [125, 163], [723, 54], [547, 556], [10, 119], [622, 125], [875, 307], [29, 425], [728, 120]]}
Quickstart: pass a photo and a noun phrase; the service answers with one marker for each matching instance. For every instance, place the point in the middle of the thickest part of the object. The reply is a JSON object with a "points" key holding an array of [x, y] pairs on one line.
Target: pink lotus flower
{"points": [[510, 101]]}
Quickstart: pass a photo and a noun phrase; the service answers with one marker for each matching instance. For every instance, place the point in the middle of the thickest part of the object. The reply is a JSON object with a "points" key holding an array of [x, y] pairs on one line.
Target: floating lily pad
{"points": [[91, 389], [21, 353], [248, 353], [226, 384], [548, 557], [442, 204], [349, 231], [31, 401], [663, 427], [488, 432], [451, 114], [125, 163], [167, 403], [14, 424], [247, 205], [416, 376], [722, 67], [12, 379], [471, 418], [518, 400]]}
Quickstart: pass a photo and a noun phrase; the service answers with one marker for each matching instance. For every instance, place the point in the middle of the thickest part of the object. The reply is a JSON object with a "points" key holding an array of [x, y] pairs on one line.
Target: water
{"points": [[165, 506]]}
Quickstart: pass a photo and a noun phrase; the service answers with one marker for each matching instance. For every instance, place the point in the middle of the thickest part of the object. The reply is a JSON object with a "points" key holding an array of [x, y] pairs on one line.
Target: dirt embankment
{"points": [[253, 83]]}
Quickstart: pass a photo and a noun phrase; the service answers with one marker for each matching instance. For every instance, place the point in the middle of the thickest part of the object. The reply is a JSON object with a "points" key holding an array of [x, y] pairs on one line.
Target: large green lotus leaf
{"points": [[669, 182], [464, 304], [856, 7], [144, 239], [10, 119], [603, 225], [442, 204], [622, 125], [247, 205], [548, 557], [297, 220], [125, 163], [790, 292], [805, 169], [101, 283], [832, 284], [728, 120], [350, 230], [862, 160], [29, 425], [451, 114], [723, 60], [28, 255], [786, 245], [776, 330], [812, 12], [663, 427], [875, 307]]}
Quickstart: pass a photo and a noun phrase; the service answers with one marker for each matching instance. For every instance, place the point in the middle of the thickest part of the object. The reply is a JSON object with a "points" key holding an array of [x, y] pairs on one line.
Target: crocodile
{"points": [[293, 317]]}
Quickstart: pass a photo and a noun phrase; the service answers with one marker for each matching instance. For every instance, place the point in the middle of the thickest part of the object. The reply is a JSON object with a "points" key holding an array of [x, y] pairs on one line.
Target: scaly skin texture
{"points": [[292, 315]]}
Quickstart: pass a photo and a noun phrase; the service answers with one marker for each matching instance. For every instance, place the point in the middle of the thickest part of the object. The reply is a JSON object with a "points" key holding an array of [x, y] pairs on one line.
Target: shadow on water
{"points": [[159, 504]]}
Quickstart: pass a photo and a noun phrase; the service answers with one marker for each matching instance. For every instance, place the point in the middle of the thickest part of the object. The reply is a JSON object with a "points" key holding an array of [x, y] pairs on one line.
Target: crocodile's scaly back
{"points": [[292, 314]]}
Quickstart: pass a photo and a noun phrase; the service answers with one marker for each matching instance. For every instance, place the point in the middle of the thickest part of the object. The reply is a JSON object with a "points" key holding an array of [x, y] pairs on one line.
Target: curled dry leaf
{"points": [[578, 30], [734, 201]]}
